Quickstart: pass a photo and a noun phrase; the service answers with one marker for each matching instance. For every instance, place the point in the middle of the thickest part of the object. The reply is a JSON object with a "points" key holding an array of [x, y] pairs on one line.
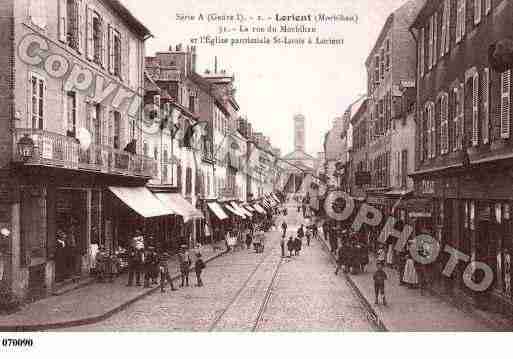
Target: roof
{"points": [[129, 18], [428, 8], [298, 155]]}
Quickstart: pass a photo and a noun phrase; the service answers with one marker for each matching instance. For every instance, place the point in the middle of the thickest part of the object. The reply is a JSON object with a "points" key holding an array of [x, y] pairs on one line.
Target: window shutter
{"points": [[477, 11], [443, 37], [448, 25], [105, 44], [488, 6], [486, 105], [505, 103], [111, 49], [463, 17], [444, 127], [461, 116], [63, 19], [475, 110], [422, 52], [435, 38], [89, 33], [80, 24], [430, 43]]}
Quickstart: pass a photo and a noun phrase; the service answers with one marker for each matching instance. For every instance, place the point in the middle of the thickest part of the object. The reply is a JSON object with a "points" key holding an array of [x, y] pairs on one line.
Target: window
{"points": [[404, 168], [475, 109], [485, 83], [73, 24], [505, 103], [477, 11], [188, 181], [435, 38], [488, 6], [96, 124], [388, 51], [422, 52], [192, 103], [38, 13], [155, 153], [431, 31], [114, 52], [146, 149], [95, 37], [117, 130], [444, 124], [431, 130], [376, 70], [446, 28], [458, 118], [72, 114], [460, 19], [38, 102], [382, 64]]}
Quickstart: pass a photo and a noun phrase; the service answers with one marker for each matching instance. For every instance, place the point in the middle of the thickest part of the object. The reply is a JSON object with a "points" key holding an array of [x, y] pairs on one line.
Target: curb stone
{"points": [[372, 315], [92, 319]]}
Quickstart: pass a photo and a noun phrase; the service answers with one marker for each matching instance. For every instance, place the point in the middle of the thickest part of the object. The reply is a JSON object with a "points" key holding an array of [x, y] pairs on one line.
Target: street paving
{"points": [[245, 291]]}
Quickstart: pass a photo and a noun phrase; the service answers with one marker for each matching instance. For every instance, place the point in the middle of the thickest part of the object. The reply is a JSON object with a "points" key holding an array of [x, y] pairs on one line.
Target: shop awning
{"points": [[249, 208], [217, 210], [241, 210], [180, 206], [142, 201], [275, 197], [259, 209], [234, 211]]}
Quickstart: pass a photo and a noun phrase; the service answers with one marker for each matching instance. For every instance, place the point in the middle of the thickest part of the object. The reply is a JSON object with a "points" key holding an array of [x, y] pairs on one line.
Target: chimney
{"points": [[171, 48], [179, 48]]}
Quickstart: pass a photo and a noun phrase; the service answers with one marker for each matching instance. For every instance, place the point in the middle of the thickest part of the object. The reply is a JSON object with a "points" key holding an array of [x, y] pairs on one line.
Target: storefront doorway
{"points": [[71, 225]]}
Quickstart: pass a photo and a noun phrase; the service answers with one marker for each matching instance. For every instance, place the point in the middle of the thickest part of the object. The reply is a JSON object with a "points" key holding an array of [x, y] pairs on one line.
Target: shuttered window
{"points": [[422, 52], [477, 11], [485, 83], [444, 124], [505, 103], [448, 25], [435, 38], [488, 6], [38, 101], [475, 110], [433, 129], [460, 19], [443, 35], [430, 42]]}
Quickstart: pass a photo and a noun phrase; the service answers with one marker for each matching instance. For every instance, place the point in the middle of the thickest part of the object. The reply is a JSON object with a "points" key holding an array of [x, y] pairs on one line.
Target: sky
{"points": [[274, 82]]}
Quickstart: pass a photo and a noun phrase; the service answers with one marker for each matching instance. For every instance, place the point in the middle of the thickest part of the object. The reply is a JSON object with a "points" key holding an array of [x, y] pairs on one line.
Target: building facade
{"points": [[66, 142], [464, 135]]}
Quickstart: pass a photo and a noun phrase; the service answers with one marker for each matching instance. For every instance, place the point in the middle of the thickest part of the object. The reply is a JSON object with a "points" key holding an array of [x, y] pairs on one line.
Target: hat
{"points": [[183, 246]]}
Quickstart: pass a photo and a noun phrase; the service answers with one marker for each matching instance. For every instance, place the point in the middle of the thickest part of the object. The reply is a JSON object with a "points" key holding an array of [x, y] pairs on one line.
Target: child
{"points": [[290, 247], [381, 255], [199, 266], [164, 272], [379, 283]]}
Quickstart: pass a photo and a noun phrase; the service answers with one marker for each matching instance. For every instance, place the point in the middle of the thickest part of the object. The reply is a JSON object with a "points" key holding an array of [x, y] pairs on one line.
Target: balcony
{"points": [[59, 151]]}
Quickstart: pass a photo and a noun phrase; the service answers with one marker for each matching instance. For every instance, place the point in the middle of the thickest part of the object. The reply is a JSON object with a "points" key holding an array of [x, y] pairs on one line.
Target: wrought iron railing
{"points": [[55, 150]]}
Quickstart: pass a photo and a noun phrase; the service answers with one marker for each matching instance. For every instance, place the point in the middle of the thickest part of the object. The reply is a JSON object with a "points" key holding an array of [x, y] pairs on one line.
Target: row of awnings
{"points": [[149, 205]]}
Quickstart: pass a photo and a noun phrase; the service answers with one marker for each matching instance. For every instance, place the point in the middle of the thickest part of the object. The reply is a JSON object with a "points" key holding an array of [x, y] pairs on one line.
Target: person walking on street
{"points": [[410, 276], [249, 239], [284, 228], [301, 231], [379, 283], [135, 261], [308, 237], [199, 265], [290, 246], [184, 263], [282, 245], [149, 261], [315, 231], [297, 245], [340, 259], [164, 272]]}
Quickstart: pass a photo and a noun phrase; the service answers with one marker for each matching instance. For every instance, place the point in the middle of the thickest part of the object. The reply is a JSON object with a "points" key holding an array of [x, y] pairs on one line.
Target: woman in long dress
{"points": [[410, 276]]}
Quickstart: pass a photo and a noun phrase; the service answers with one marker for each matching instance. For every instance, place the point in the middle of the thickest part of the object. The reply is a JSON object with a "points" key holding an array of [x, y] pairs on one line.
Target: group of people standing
{"points": [[352, 253], [294, 244]]}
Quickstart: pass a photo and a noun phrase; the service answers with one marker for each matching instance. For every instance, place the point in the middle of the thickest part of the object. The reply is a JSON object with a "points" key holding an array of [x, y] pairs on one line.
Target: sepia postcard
{"points": [[298, 167]]}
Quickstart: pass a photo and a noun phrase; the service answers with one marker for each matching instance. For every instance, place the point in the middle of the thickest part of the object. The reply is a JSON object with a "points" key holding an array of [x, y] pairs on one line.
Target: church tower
{"points": [[299, 133]]}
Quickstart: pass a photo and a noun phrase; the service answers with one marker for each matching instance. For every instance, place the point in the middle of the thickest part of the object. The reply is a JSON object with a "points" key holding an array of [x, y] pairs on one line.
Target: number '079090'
{"points": [[19, 342]]}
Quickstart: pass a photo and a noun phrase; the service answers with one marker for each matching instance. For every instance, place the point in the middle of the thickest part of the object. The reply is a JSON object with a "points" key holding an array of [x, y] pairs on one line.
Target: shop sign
{"points": [[427, 187], [420, 214]]}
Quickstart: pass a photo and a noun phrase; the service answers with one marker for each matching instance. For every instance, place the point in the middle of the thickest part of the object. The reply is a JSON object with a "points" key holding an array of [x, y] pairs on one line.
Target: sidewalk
{"points": [[407, 310], [89, 304]]}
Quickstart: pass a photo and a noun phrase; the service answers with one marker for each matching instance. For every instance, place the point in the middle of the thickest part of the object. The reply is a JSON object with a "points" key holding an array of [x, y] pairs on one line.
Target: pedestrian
{"points": [[381, 255], [284, 228], [184, 263], [340, 259], [148, 263], [135, 261], [282, 246], [297, 245], [301, 231], [199, 266], [379, 283], [249, 239], [410, 276], [315, 231], [164, 272], [308, 237], [290, 246]]}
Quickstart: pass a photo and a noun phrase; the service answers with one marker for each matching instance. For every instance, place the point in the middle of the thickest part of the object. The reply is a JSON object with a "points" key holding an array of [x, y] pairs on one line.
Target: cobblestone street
{"points": [[245, 291]]}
